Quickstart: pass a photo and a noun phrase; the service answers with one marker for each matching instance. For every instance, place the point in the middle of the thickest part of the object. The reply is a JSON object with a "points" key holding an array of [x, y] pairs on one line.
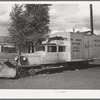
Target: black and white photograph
{"points": [[50, 46]]}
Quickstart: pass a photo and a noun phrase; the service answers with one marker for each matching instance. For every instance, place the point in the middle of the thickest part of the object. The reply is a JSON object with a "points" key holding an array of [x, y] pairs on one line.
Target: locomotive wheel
{"points": [[32, 72], [18, 74], [23, 73]]}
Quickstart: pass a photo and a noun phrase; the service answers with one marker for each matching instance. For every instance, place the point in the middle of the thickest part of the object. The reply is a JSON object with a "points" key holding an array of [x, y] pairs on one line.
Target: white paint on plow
{"points": [[6, 71]]}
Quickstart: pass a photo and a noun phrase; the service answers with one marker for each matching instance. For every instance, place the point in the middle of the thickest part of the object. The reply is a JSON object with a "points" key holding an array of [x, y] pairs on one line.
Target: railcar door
{"points": [[61, 56], [51, 55], [90, 40], [86, 46]]}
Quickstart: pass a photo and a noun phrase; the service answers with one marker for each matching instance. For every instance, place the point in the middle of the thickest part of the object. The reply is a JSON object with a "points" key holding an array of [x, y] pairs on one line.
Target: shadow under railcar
{"points": [[72, 67]]}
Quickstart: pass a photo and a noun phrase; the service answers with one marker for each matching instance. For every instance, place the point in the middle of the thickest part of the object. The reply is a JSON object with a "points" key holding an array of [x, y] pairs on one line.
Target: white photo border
{"points": [[54, 93]]}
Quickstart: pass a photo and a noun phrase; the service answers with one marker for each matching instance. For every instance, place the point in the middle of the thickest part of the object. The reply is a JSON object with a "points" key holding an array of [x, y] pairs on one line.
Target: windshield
{"points": [[40, 48]]}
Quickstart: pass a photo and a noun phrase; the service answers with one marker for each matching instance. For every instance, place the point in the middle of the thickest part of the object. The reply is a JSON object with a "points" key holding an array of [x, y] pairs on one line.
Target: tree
{"points": [[29, 24], [17, 25], [38, 20]]}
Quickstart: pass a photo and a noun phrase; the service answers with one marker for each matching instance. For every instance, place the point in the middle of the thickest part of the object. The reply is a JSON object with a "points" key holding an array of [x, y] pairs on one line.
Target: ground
{"points": [[86, 78]]}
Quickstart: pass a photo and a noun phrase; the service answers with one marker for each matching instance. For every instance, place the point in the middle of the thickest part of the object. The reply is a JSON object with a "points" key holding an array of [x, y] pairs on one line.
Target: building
{"points": [[6, 46]]}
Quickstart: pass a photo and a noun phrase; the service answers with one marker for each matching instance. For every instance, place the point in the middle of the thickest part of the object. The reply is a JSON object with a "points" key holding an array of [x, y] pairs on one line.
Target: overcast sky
{"points": [[64, 17]]}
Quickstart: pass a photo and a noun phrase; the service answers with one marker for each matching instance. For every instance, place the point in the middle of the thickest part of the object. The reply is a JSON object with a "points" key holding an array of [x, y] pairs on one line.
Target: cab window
{"points": [[61, 49], [52, 48], [40, 48]]}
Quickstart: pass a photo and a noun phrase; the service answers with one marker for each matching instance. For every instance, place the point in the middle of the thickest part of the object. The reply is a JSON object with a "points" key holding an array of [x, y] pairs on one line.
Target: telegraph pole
{"points": [[91, 19]]}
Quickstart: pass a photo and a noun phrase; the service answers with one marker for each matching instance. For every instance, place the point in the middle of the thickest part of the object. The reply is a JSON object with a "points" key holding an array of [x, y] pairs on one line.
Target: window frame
{"points": [[62, 50], [40, 46], [52, 49]]}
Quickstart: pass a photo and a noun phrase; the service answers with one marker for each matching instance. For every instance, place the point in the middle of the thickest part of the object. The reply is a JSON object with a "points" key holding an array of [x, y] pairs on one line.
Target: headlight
{"points": [[16, 58], [24, 58]]}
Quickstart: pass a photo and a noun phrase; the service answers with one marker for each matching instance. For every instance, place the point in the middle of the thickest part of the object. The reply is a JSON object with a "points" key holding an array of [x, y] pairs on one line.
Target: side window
{"points": [[40, 48], [61, 48], [52, 49]]}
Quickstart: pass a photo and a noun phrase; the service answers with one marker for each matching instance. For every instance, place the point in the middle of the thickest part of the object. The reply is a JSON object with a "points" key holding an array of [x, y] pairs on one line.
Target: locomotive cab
{"points": [[48, 53], [31, 59]]}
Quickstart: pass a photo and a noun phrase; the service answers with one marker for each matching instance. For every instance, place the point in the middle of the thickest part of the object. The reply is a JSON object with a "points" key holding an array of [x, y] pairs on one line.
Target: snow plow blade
{"points": [[7, 70]]}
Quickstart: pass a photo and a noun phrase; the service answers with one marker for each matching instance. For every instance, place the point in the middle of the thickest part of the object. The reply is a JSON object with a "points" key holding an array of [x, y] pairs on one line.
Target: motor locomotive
{"points": [[60, 50]]}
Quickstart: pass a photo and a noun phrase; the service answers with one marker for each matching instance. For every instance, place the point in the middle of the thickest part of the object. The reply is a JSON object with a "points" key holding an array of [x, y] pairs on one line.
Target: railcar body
{"points": [[81, 46]]}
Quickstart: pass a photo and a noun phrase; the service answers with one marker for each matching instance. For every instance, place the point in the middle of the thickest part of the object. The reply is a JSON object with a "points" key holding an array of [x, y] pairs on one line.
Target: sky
{"points": [[63, 17]]}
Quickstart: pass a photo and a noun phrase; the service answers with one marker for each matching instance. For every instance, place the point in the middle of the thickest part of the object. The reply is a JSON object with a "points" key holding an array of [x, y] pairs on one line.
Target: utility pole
{"points": [[91, 19]]}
